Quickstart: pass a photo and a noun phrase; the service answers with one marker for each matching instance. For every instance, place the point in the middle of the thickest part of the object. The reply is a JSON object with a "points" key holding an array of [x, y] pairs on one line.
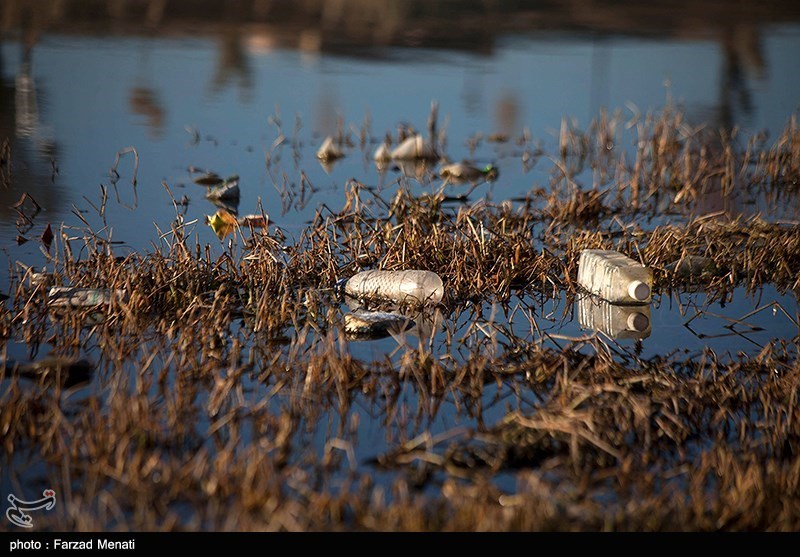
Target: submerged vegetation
{"points": [[224, 393]]}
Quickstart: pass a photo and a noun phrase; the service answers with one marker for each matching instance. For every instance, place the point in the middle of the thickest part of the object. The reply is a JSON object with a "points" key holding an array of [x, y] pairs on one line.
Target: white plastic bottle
{"points": [[414, 147], [614, 277], [329, 150], [616, 321], [413, 286]]}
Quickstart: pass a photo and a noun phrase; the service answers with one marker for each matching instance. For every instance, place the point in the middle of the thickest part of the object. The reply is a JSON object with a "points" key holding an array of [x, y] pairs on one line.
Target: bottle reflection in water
{"points": [[615, 321], [27, 111]]}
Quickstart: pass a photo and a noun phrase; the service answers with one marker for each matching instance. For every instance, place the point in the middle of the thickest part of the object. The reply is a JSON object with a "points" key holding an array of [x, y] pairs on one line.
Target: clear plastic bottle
{"points": [[614, 277], [70, 296], [613, 320], [413, 286]]}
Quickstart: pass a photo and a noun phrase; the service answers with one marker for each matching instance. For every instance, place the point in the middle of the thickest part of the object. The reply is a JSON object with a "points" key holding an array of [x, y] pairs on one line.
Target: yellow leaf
{"points": [[223, 222]]}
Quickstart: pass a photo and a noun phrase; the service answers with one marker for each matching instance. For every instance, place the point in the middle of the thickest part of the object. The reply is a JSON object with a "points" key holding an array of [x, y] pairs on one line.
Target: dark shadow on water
{"points": [[351, 27]]}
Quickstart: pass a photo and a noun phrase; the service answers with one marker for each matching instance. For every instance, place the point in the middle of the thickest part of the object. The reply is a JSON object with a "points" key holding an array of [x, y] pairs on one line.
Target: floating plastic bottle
{"points": [[615, 321], [402, 287], [461, 172], [329, 150], [69, 296], [614, 277], [42, 279], [228, 191], [382, 153], [414, 147]]}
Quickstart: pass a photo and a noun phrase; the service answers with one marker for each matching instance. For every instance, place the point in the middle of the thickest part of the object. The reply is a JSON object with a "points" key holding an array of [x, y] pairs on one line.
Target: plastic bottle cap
{"points": [[639, 290], [638, 322]]}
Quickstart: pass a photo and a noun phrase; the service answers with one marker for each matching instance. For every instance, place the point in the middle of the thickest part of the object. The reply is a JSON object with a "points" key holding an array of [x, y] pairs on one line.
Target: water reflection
{"points": [[507, 115], [615, 321], [144, 102], [26, 107], [30, 151], [743, 53], [490, 65], [327, 117], [233, 66], [27, 111]]}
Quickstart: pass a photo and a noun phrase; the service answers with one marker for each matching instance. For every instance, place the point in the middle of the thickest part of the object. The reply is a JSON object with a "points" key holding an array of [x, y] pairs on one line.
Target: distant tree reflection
{"points": [[144, 102], [33, 151], [233, 65]]}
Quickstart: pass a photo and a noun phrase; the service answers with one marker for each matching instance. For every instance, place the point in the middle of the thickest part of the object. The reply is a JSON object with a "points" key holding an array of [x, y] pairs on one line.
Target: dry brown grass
{"points": [[218, 376]]}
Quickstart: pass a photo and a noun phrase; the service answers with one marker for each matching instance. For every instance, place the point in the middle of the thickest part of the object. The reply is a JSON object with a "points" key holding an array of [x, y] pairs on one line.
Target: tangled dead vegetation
{"points": [[224, 394]]}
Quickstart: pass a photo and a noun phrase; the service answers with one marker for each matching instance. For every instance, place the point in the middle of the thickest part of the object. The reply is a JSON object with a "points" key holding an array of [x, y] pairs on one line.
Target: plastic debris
{"points": [[224, 222], [253, 221], [382, 153], [227, 191], [69, 296], [414, 147], [329, 150], [375, 323], [465, 172], [614, 277], [41, 280], [402, 287]]}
